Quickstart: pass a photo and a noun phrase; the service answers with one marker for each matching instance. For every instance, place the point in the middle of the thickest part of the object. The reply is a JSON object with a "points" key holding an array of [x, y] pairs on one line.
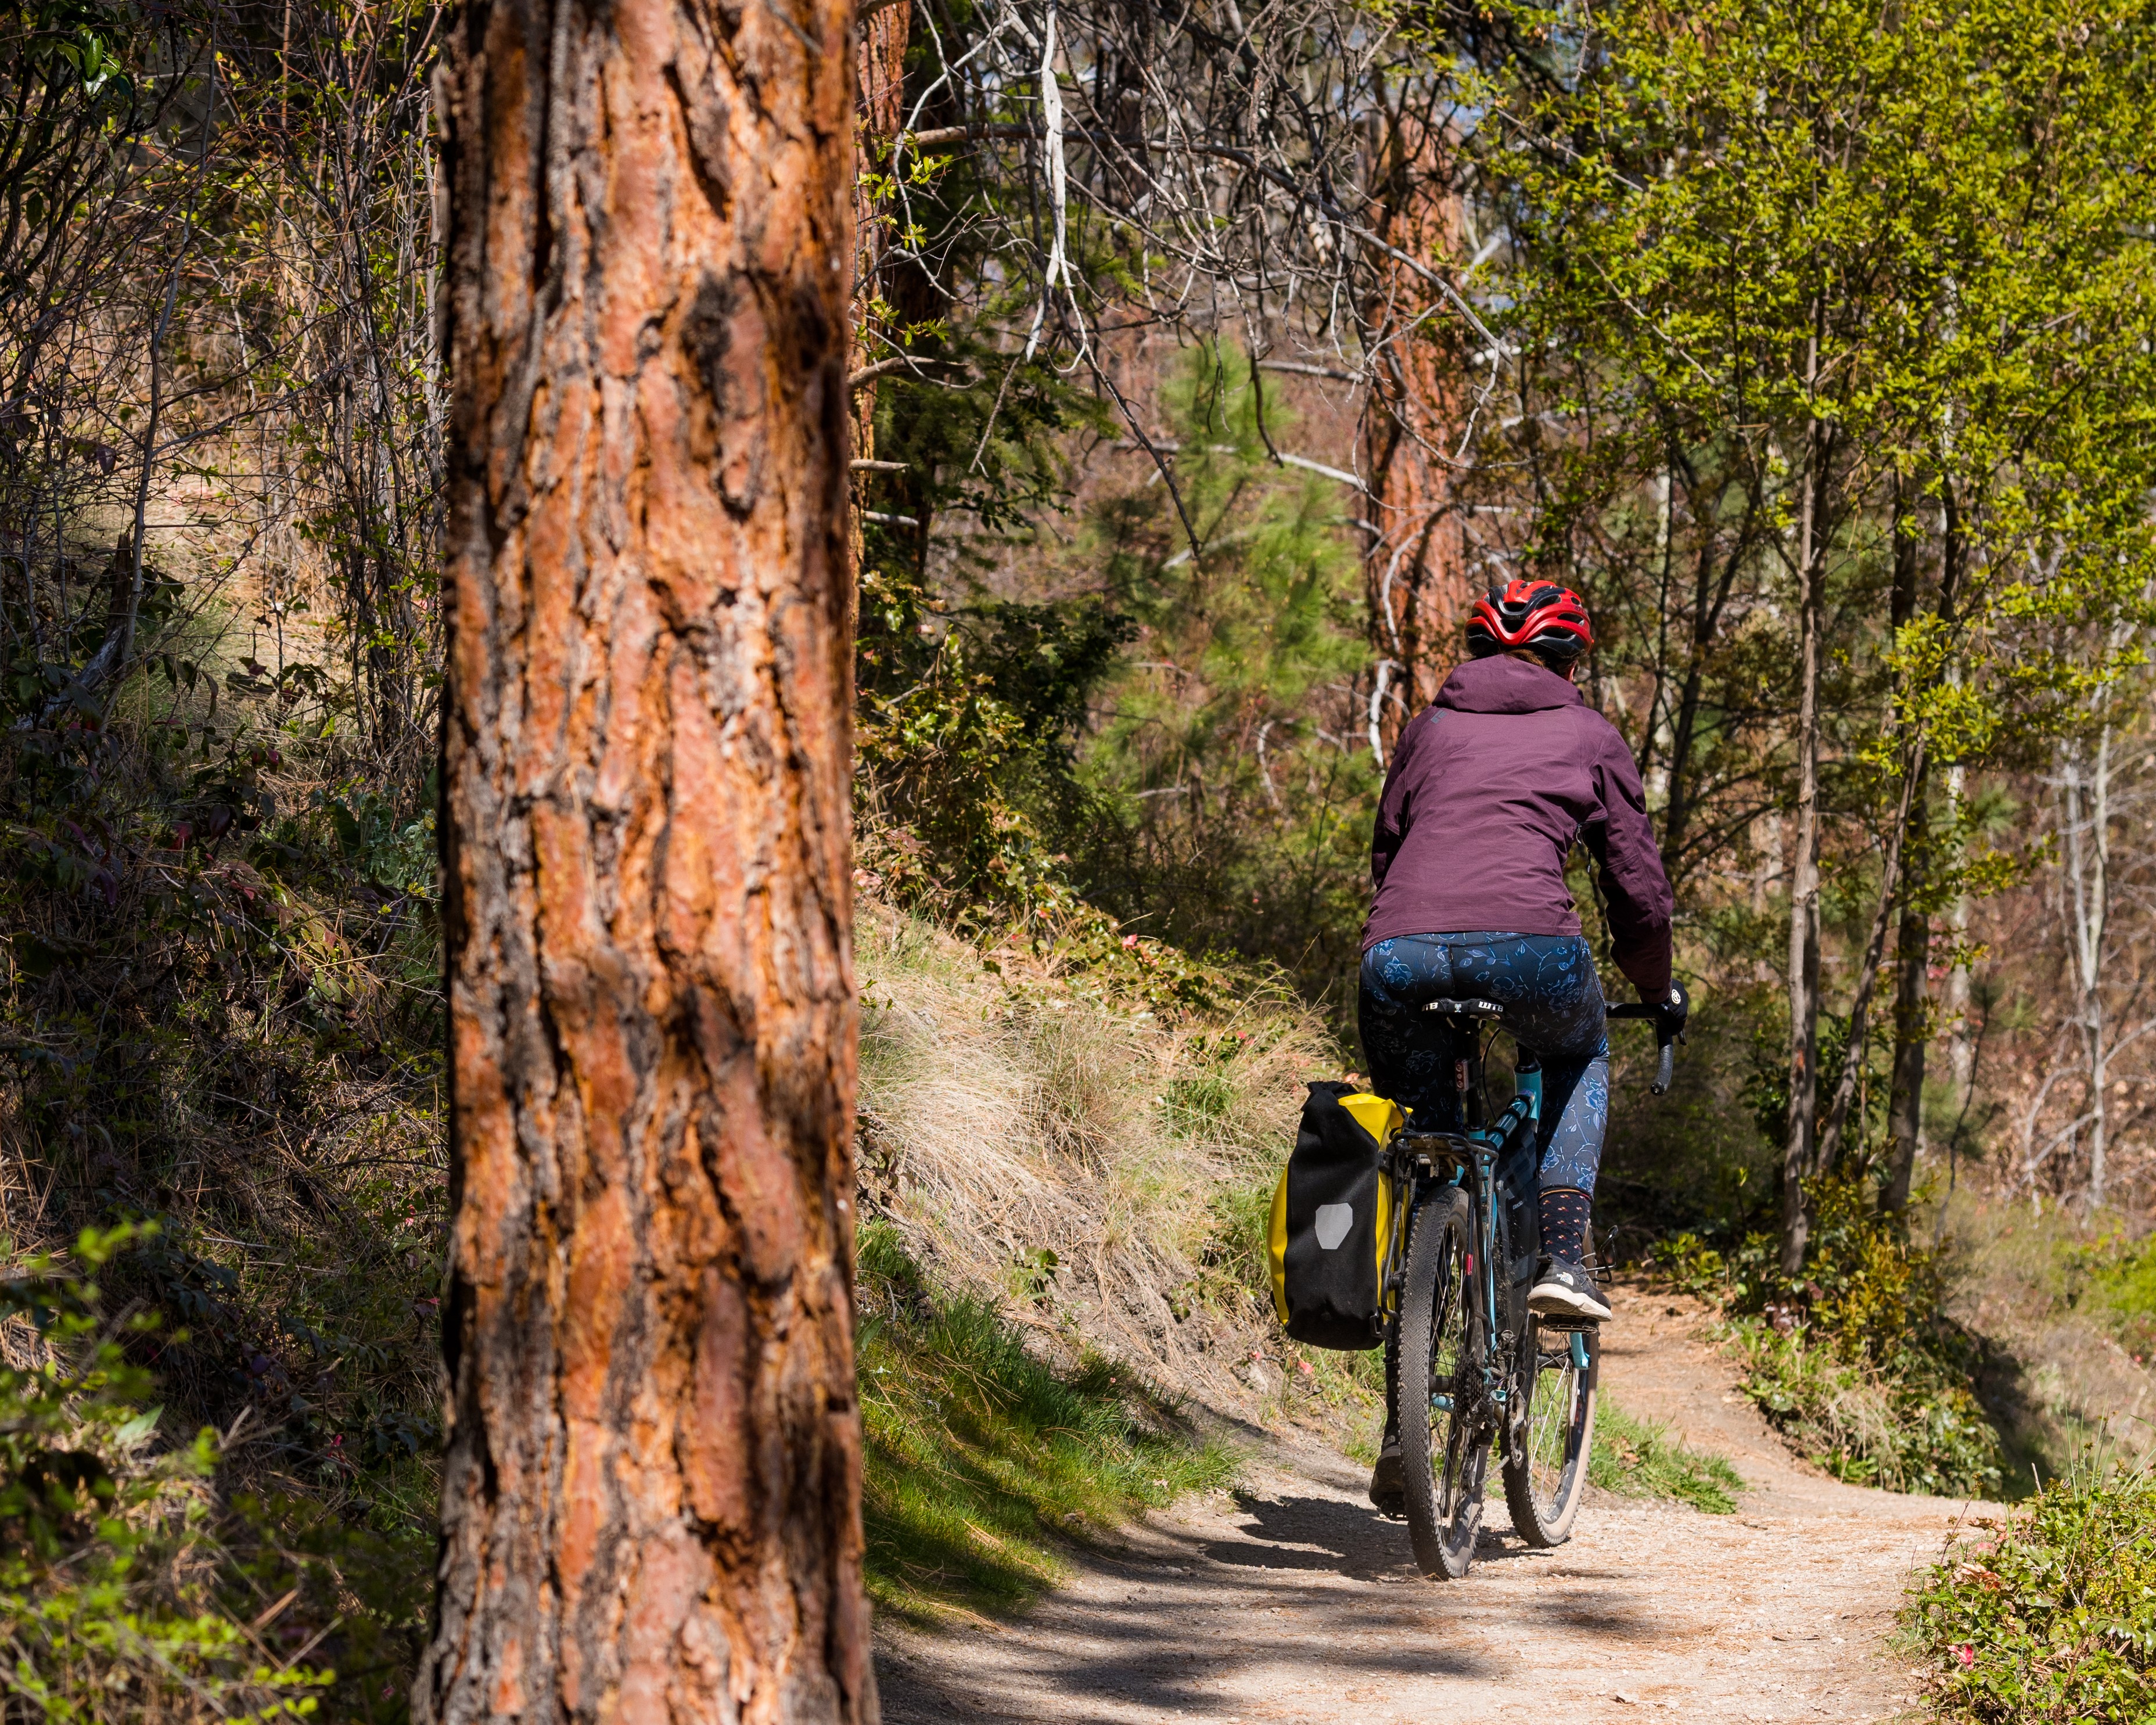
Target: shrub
{"points": [[1907, 1421], [1853, 1359], [2117, 1279], [113, 1593], [2052, 1615]]}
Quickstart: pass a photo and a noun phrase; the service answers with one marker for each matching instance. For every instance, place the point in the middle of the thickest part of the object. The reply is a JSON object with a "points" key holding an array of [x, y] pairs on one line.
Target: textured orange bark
{"points": [[652, 1489], [1415, 566]]}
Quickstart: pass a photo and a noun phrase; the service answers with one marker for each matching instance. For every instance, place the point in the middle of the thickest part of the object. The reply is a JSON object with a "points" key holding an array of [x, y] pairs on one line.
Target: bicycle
{"points": [[1473, 1363]]}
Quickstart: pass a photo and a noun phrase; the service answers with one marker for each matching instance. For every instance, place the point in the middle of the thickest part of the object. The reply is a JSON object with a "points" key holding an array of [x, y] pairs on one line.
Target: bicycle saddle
{"points": [[1466, 1008]]}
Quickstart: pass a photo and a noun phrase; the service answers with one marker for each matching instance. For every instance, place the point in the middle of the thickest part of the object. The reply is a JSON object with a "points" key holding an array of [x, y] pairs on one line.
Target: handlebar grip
{"points": [[1665, 1071]]}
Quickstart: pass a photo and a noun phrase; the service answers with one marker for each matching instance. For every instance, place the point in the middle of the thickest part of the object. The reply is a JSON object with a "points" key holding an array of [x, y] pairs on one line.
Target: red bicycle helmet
{"points": [[1537, 614]]}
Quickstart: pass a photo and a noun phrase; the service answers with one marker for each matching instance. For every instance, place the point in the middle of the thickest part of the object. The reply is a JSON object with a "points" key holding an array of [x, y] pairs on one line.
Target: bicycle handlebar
{"points": [[1664, 1038]]}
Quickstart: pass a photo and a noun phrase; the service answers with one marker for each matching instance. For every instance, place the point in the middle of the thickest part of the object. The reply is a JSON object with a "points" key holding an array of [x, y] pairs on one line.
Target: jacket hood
{"points": [[1502, 684]]}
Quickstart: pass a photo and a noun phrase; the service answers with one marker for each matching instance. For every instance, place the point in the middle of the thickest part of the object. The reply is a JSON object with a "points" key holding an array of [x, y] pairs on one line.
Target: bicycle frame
{"points": [[1475, 1151]]}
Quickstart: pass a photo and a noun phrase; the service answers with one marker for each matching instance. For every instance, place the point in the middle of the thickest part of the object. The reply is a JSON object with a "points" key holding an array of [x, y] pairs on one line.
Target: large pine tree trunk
{"points": [[651, 1493], [1415, 565]]}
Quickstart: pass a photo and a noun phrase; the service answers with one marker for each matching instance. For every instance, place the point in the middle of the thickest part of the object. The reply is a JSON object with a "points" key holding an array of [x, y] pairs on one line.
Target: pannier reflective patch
{"points": [[1332, 1222]]}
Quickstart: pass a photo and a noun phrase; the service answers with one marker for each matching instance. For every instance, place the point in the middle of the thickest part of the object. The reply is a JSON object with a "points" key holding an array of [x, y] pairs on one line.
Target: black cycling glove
{"points": [[1673, 1012]]}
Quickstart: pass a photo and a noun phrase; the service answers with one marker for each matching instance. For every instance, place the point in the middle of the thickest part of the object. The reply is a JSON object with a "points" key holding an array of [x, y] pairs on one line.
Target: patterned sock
{"points": [[1565, 1210]]}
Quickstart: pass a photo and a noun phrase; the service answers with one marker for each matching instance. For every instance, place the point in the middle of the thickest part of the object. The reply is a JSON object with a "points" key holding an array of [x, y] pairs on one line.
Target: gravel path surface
{"points": [[1292, 1600]]}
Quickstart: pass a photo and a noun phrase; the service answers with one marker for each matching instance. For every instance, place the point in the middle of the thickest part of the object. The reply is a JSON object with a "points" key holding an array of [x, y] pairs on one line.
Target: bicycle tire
{"points": [[1442, 1351], [1551, 1433]]}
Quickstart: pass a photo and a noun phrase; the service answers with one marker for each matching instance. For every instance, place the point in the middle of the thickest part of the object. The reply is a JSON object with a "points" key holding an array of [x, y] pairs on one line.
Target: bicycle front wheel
{"points": [[1445, 1437], [1552, 1431]]}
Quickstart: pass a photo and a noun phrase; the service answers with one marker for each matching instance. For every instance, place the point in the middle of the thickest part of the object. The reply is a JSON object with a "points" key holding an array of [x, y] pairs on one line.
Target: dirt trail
{"points": [[1293, 1601]]}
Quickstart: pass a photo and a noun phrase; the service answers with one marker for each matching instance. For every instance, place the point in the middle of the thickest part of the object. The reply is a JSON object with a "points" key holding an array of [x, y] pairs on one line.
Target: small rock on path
{"points": [[1292, 1601]]}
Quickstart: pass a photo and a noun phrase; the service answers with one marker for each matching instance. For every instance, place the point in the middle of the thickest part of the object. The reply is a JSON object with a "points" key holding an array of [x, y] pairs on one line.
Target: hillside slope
{"points": [[1043, 1141]]}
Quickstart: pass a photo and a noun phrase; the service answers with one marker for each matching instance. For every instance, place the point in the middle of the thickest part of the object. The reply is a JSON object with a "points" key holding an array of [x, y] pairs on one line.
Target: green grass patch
{"points": [[2050, 1615], [984, 1463], [2115, 1280], [1641, 1460]]}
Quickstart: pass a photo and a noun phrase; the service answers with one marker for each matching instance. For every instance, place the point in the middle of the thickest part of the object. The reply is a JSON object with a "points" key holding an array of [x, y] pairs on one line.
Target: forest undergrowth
{"points": [[1855, 1360], [222, 1030], [1978, 1350]]}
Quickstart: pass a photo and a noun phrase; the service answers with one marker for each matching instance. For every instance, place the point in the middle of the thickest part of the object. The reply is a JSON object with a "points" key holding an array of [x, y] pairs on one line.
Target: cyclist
{"points": [[1489, 788]]}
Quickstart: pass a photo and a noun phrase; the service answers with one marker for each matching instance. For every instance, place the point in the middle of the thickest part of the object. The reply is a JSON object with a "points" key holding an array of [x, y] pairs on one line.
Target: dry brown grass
{"points": [[1006, 1115]]}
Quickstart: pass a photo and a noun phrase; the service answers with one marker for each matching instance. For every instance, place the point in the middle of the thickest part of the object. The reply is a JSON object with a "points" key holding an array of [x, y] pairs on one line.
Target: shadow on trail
{"points": [[1311, 1533], [1164, 1644], [1318, 1594], [1162, 1634]]}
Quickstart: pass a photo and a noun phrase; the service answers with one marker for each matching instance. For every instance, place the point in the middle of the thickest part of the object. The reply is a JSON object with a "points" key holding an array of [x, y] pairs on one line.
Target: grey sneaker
{"points": [[1386, 1490], [1564, 1289]]}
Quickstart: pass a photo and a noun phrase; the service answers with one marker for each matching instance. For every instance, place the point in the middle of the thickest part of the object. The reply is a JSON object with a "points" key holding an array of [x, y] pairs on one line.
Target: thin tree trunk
{"points": [[880, 69], [1658, 739], [1954, 1002], [1713, 581], [652, 1484], [1961, 1045], [1799, 1147], [1867, 975], [2085, 816], [1905, 1112], [1912, 940]]}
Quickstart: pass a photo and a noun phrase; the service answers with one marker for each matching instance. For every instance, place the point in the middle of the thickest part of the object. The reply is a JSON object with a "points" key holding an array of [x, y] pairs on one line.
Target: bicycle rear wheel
{"points": [[1551, 1432], [1444, 1439]]}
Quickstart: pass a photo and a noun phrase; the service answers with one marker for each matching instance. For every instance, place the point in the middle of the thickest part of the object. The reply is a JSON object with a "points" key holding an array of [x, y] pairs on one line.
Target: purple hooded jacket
{"points": [[1490, 788]]}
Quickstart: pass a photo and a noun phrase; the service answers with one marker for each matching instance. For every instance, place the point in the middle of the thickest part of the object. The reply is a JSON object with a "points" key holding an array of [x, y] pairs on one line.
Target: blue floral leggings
{"points": [[1552, 1002]]}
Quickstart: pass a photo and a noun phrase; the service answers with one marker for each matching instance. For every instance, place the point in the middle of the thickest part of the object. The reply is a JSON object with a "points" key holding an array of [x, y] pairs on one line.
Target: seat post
{"points": [[1467, 1017], [1467, 1073]]}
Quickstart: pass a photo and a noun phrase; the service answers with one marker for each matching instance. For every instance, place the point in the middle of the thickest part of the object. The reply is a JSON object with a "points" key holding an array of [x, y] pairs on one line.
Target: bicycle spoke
{"points": [[1546, 1468], [1443, 1412]]}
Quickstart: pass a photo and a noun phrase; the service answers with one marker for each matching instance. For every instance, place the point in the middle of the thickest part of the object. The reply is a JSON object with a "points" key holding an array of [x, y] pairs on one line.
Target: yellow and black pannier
{"points": [[1333, 1223]]}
